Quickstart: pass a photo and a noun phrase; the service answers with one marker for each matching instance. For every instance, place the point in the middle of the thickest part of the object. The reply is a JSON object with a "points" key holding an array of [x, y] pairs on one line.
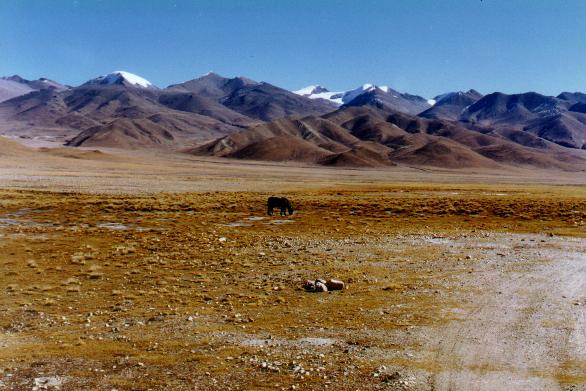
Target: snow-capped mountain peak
{"points": [[349, 96], [369, 94], [340, 98], [311, 90], [122, 78]]}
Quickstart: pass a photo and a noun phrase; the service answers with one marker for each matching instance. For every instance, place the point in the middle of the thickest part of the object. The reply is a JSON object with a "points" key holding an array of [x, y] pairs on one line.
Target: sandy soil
{"points": [[130, 272], [524, 327], [121, 171]]}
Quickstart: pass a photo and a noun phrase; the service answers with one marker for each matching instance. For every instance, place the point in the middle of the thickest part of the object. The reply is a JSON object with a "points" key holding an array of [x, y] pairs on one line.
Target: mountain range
{"points": [[370, 126], [13, 86]]}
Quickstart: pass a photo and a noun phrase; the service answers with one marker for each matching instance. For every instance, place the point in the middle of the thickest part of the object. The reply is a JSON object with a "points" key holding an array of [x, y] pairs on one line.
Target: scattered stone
{"points": [[321, 285], [309, 286], [32, 264], [390, 377], [47, 382], [335, 285]]}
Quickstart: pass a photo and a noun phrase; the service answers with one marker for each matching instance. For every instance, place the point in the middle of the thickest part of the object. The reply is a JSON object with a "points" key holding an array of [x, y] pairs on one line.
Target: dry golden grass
{"points": [[141, 291]]}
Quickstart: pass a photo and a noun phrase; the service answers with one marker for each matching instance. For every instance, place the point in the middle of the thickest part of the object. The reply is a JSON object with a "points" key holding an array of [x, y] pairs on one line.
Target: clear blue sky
{"points": [[420, 46]]}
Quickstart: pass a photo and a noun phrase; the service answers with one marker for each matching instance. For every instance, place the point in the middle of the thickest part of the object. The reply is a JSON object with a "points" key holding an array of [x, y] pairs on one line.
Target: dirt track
{"points": [[525, 327]]}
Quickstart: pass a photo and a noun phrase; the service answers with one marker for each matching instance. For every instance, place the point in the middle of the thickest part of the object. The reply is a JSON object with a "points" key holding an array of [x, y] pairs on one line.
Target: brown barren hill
{"points": [[19, 153], [369, 137], [425, 150], [119, 115], [9, 148], [80, 154], [114, 111], [372, 129], [283, 148], [258, 100], [550, 118], [124, 133], [150, 132], [309, 140]]}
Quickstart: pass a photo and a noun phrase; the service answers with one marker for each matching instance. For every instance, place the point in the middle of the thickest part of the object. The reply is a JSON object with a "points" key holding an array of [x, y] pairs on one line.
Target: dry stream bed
{"points": [[449, 288]]}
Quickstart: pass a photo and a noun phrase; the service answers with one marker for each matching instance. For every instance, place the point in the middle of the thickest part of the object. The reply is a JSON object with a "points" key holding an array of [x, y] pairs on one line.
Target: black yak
{"points": [[279, 202]]}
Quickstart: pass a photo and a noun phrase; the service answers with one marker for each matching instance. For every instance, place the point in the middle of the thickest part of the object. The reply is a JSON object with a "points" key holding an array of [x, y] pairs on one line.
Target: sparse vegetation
{"points": [[163, 303]]}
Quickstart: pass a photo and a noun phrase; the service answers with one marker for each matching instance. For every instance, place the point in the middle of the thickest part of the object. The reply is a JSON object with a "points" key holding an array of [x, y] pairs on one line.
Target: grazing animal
{"points": [[279, 202]]}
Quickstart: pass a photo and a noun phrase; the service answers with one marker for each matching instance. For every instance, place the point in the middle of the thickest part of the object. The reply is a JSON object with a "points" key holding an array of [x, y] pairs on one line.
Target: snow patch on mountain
{"points": [[118, 77], [311, 90], [339, 98]]}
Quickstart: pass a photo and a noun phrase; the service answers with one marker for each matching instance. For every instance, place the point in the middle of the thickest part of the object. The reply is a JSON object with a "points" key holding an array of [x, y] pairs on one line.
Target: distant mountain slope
{"points": [[367, 126], [193, 103], [566, 129], [9, 148], [573, 97], [121, 78], [10, 89], [493, 145], [309, 140], [126, 109], [382, 97], [391, 100], [130, 114], [155, 131], [257, 100], [450, 106], [499, 108], [368, 136], [136, 118], [311, 91], [545, 116], [15, 86], [213, 86], [266, 102], [124, 133]]}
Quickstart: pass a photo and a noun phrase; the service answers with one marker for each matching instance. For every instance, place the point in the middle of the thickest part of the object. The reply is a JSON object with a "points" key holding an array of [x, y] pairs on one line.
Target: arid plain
{"points": [[161, 271]]}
